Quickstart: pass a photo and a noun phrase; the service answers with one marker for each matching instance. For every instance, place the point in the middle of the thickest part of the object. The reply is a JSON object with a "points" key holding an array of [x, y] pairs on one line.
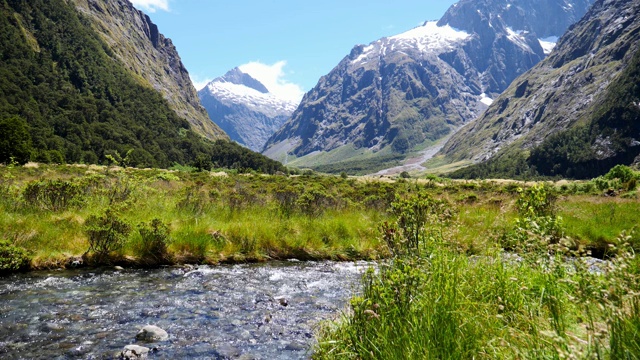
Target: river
{"points": [[260, 311]]}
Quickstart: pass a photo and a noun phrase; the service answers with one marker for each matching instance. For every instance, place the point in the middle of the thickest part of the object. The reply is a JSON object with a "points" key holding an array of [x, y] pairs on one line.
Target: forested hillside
{"points": [[77, 102]]}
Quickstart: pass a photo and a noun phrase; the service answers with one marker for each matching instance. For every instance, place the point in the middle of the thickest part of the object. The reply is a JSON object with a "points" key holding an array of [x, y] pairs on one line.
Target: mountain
{"points": [[149, 56], [576, 114], [244, 108], [403, 93], [67, 96]]}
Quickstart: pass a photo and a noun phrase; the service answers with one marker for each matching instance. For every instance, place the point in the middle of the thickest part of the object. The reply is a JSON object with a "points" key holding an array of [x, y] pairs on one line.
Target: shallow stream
{"points": [[267, 311]]}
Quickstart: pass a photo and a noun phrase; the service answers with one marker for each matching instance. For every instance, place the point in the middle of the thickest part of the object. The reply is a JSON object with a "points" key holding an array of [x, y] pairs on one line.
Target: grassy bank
{"points": [[53, 215], [542, 300]]}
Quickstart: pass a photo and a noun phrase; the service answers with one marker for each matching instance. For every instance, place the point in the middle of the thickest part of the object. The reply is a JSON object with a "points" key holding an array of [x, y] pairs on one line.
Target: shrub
{"points": [[155, 239], [420, 221], [13, 258], [107, 233], [53, 195], [194, 200], [537, 226]]}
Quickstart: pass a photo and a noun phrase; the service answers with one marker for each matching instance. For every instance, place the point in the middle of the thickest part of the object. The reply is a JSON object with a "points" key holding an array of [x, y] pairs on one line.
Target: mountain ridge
{"points": [[150, 57], [558, 104], [412, 88]]}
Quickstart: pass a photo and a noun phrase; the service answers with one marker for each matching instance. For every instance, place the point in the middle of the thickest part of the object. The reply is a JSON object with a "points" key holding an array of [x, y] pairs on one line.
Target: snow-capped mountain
{"points": [[401, 92], [575, 114], [244, 108]]}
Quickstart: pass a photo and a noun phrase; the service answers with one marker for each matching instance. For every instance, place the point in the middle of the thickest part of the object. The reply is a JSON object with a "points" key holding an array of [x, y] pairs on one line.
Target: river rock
{"points": [[226, 351], [131, 352], [151, 333]]}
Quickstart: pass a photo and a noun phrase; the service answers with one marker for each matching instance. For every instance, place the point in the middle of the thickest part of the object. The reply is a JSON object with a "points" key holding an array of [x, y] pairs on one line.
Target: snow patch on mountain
{"points": [[517, 37], [485, 99], [428, 38], [241, 94], [432, 37], [548, 44]]}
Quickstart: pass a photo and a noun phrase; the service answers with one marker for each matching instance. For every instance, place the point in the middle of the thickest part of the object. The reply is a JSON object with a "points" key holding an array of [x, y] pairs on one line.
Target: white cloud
{"points": [[151, 5], [273, 77], [199, 82]]}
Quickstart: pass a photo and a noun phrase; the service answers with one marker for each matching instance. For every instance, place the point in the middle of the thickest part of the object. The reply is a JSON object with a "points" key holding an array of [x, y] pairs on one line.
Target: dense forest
{"points": [[610, 135], [65, 98]]}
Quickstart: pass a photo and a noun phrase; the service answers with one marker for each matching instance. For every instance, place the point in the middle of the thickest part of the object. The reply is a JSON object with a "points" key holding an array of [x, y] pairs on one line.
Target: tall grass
{"points": [[230, 217], [433, 302]]}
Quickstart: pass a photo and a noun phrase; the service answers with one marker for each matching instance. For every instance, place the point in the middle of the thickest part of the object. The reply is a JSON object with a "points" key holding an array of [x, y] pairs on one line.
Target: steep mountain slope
{"points": [[65, 96], [151, 57], [575, 114], [404, 92], [244, 108]]}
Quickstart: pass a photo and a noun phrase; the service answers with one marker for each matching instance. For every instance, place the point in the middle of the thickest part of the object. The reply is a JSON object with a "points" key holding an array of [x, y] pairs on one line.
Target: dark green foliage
{"points": [[155, 239], [83, 106], [15, 140], [230, 155], [508, 165], [107, 233], [53, 195], [13, 258]]}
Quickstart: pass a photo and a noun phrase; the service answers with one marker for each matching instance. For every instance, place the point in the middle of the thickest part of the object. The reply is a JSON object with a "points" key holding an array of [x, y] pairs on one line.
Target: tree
{"points": [[15, 140]]}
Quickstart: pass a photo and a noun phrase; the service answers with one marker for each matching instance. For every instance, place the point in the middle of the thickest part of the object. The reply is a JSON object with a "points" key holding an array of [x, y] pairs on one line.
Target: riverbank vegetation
{"points": [[62, 215], [541, 299]]}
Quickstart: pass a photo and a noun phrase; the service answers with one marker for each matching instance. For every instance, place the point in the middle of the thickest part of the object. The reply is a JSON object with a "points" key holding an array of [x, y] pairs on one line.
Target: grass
{"points": [[468, 270], [228, 217], [432, 301]]}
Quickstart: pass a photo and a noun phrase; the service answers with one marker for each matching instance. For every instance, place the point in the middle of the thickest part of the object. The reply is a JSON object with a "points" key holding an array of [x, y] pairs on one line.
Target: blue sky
{"points": [[287, 44]]}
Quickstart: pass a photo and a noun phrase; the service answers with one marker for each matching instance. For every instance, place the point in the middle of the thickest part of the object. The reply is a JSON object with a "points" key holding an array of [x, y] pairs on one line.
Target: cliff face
{"points": [[575, 102], [417, 87], [150, 57], [244, 108]]}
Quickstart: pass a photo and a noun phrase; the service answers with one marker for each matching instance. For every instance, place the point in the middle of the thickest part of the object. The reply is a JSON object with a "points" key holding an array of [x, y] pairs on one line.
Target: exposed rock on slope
{"points": [[401, 91], [150, 56], [244, 108], [574, 112]]}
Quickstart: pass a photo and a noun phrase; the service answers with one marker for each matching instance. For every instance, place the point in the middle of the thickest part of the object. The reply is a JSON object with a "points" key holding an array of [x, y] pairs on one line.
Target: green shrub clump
{"points": [[155, 239], [13, 258], [52, 195], [106, 233]]}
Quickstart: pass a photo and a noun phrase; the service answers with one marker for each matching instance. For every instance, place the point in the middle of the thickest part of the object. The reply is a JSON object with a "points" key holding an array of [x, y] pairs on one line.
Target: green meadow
{"points": [[467, 269]]}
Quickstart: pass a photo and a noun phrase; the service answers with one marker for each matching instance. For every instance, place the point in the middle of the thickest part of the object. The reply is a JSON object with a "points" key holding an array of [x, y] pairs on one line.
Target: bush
{"points": [[537, 226], [419, 224], [13, 258], [53, 195], [155, 239], [106, 233]]}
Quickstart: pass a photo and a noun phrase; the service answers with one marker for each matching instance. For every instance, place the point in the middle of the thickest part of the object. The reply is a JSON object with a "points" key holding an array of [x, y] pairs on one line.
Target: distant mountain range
{"points": [[399, 95], [244, 108], [576, 114]]}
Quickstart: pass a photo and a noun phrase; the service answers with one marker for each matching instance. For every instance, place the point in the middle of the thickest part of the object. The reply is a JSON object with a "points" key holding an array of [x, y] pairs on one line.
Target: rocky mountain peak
{"points": [[402, 91], [244, 108], [236, 76]]}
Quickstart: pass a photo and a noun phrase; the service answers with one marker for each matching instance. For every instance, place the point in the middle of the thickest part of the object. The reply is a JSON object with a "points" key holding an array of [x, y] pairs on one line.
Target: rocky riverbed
{"points": [[264, 311]]}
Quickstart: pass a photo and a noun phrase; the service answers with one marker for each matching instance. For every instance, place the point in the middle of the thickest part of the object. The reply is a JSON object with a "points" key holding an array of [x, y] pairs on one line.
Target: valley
{"points": [[465, 189]]}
